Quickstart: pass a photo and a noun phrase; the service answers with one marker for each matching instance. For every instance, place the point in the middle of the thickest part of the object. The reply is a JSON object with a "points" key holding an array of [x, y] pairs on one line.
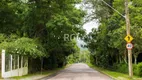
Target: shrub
{"points": [[24, 46], [135, 69], [139, 69], [123, 68]]}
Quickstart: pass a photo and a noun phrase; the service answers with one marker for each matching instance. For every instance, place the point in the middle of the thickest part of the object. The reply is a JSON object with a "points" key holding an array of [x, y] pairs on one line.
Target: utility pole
{"points": [[128, 33], [128, 38]]}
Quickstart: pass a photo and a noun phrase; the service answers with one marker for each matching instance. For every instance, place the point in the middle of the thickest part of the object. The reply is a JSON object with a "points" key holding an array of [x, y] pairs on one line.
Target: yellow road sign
{"points": [[128, 38]]}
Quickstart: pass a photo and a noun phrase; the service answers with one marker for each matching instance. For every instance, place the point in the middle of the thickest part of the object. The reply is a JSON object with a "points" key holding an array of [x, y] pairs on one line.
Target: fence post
{"points": [[3, 63], [11, 64], [18, 65], [22, 65]]}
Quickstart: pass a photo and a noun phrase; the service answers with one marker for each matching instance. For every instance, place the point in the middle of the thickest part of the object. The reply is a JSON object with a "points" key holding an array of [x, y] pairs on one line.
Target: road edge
{"points": [[93, 67]]}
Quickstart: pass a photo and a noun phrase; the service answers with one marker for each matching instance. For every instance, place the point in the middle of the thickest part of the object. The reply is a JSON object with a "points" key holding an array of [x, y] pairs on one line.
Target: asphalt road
{"points": [[78, 71]]}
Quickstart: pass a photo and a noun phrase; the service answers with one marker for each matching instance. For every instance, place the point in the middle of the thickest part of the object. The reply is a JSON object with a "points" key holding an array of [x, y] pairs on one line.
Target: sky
{"points": [[89, 25]]}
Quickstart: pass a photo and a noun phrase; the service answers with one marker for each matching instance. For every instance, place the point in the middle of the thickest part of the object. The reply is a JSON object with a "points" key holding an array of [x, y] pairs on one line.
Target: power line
{"points": [[113, 8]]}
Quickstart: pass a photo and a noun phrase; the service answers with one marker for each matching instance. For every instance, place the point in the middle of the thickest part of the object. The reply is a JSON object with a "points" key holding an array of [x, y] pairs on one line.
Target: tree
{"points": [[42, 23], [107, 42]]}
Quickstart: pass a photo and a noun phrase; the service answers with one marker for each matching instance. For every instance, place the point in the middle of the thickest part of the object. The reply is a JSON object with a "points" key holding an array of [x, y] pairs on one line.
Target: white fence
{"points": [[13, 65]]}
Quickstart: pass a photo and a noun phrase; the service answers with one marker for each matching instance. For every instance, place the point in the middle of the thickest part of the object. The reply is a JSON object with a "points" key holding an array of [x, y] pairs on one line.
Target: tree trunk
{"points": [[135, 56], [96, 61], [125, 56], [120, 61]]}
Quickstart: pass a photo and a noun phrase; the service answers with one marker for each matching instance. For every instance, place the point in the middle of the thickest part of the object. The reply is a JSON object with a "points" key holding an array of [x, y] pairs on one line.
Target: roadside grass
{"points": [[44, 73], [115, 75], [38, 75]]}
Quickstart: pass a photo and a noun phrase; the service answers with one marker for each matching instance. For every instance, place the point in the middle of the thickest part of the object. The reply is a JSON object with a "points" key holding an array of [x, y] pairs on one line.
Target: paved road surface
{"points": [[78, 71]]}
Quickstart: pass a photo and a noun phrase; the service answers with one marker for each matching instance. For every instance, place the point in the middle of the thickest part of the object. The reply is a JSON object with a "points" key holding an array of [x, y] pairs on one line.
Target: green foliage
{"points": [[36, 28], [84, 56], [23, 46], [107, 43], [135, 69], [139, 69], [73, 58], [80, 57], [123, 68], [2, 38]]}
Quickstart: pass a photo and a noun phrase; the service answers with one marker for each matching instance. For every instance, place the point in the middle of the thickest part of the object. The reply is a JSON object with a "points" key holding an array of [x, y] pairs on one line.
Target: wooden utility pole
{"points": [[128, 38], [128, 33]]}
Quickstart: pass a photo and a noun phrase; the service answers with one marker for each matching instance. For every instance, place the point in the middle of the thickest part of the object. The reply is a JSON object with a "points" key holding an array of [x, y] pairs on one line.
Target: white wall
{"points": [[21, 70], [16, 72]]}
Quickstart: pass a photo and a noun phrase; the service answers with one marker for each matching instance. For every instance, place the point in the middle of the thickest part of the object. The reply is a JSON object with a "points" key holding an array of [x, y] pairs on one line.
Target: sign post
{"points": [[128, 38]]}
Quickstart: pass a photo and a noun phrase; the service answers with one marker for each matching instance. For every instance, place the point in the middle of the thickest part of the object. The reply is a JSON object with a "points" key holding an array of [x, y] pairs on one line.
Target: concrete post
{"points": [[3, 63]]}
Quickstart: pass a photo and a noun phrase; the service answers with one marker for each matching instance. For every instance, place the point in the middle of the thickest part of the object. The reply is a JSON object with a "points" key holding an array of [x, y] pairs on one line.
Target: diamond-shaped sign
{"points": [[128, 38]]}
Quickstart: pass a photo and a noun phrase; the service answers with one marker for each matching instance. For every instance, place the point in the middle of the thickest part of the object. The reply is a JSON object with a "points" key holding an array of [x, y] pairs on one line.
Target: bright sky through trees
{"points": [[91, 24]]}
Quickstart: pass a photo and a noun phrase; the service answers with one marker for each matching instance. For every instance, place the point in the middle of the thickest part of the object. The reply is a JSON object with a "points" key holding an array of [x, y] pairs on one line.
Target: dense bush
{"points": [[135, 69], [139, 69], [82, 56], [24, 46], [73, 58], [123, 68]]}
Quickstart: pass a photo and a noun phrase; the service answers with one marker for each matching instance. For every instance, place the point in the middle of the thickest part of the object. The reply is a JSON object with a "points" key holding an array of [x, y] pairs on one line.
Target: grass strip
{"points": [[39, 75], [115, 75]]}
